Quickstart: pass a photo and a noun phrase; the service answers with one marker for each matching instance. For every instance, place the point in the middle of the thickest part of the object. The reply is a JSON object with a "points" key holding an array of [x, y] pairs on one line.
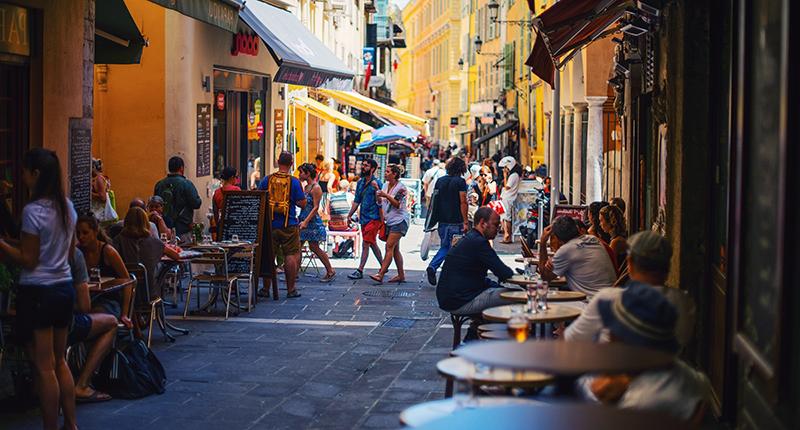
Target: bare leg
{"points": [[64, 376], [290, 266], [377, 251], [507, 231], [398, 262], [391, 244], [323, 257], [43, 358], [365, 254], [103, 331]]}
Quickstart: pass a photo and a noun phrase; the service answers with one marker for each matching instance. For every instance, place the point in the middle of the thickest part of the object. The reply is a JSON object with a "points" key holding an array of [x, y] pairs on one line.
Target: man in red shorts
{"points": [[369, 215]]}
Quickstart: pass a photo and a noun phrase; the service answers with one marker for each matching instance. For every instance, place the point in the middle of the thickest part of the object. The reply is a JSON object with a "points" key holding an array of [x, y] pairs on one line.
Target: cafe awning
{"points": [[302, 58], [221, 13], [566, 27], [326, 113], [361, 102], [117, 39], [497, 131]]}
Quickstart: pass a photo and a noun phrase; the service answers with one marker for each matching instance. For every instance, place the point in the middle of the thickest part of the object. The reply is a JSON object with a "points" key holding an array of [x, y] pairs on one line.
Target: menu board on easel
{"points": [[80, 166], [243, 216]]}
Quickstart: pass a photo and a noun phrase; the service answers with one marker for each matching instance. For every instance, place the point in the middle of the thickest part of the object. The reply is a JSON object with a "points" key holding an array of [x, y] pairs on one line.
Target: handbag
{"points": [[104, 213], [425, 246], [131, 370], [432, 217]]}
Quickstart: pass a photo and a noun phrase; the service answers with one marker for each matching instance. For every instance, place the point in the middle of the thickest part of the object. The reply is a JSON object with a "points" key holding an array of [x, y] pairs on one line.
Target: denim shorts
{"points": [[81, 326], [401, 228], [43, 306]]}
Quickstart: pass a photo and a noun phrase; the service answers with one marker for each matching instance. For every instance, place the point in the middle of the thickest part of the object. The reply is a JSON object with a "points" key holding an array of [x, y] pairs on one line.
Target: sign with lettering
{"points": [[80, 166], [278, 143], [221, 13], [243, 214], [574, 212], [313, 78], [203, 139], [220, 101], [245, 44], [14, 33]]}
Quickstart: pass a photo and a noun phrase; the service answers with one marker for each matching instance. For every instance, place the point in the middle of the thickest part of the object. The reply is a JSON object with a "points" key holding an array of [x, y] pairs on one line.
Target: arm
{"points": [[545, 266], [192, 198], [99, 189], [27, 255], [82, 299], [462, 195], [171, 253], [489, 258], [297, 194], [118, 265], [392, 200], [316, 194]]}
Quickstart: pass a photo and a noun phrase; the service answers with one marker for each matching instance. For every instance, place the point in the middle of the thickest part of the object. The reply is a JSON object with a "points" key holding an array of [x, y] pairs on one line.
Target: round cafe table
{"points": [[422, 413], [552, 417], [572, 359], [458, 368], [554, 314], [521, 281], [552, 296]]}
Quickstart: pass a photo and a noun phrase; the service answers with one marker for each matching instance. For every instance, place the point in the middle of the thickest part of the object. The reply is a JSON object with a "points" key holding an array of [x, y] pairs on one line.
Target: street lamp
{"points": [[461, 64], [479, 45], [494, 10]]}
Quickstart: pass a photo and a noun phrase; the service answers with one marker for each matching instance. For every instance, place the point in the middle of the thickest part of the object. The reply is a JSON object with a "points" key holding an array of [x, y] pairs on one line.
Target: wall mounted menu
{"points": [[243, 215], [203, 139], [80, 166], [574, 212]]}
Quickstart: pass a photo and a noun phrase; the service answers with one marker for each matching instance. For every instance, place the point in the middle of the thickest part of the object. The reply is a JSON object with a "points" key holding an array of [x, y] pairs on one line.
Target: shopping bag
{"points": [[425, 246]]}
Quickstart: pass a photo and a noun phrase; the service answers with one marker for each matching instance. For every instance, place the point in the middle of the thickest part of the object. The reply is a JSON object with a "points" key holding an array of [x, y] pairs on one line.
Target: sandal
{"points": [[328, 278], [95, 397], [397, 279], [292, 295], [377, 278]]}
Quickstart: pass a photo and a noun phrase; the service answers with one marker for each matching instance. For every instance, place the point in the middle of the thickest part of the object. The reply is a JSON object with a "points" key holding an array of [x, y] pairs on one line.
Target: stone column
{"points": [[594, 149], [566, 174], [547, 141], [577, 153]]}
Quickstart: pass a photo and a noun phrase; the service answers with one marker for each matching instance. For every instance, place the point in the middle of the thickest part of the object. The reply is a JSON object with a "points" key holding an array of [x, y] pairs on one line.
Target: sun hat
{"points": [[641, 316], [507, 161]]}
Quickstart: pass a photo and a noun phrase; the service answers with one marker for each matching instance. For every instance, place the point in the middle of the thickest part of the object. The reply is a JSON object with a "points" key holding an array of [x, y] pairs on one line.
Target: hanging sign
{"points": [[278, 140], [260, 129], [14, 30], [257, 107], [221, 100], [252, 117]]}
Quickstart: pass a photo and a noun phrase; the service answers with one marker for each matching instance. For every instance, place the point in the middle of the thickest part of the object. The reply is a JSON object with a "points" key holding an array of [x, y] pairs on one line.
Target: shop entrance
{"points": [[13, 133], [240, 124]]}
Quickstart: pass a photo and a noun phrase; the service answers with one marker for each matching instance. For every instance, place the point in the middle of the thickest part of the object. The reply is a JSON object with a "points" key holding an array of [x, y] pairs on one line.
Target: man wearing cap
{"points": [[642, 316], [648, 263]]}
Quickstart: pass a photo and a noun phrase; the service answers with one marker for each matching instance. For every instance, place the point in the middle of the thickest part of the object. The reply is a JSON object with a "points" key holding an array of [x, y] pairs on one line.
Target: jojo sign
{"points": [[245, 44]]}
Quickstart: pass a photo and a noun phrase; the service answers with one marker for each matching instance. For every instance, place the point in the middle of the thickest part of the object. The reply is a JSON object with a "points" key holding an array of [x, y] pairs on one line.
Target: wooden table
{"points": [[529, 260], [560, 357], [422, 413], [521, 281], [552, 417], [461, 369], [108, 285], [554, 313], [495, 335], [552, 296]]}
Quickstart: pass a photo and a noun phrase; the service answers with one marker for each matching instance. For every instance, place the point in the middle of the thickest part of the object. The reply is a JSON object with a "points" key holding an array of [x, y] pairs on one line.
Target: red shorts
{"points": [[369, 231]]}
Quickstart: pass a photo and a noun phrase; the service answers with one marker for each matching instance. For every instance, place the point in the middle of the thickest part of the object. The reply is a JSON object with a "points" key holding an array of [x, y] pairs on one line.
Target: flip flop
{"points": [[395, 279], [293, 295], [376, 278], [328, 278], [95, 397]]}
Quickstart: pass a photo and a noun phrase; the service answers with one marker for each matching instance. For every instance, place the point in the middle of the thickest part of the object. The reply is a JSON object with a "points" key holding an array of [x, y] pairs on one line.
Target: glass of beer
{"points": [[517, 327]]}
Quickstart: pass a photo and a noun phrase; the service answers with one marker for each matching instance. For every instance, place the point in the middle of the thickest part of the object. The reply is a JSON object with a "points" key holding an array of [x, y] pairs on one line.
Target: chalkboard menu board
{"points": [[574, 212], [243, 215], [80, 166], [203, 139]]}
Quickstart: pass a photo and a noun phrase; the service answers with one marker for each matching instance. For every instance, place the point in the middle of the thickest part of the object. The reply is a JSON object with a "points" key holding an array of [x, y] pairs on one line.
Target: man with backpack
{"points": [[285, 196], [369, 215], [180, 198]]}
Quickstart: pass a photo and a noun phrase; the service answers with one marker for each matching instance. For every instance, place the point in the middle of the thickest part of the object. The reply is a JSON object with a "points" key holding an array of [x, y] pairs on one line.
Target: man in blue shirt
{"points": [[285, 233], [369, 215]]}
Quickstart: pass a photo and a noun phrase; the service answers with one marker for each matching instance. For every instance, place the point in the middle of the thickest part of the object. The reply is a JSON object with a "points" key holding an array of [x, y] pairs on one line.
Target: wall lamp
{"points": [[494, 9], [479, 45]]}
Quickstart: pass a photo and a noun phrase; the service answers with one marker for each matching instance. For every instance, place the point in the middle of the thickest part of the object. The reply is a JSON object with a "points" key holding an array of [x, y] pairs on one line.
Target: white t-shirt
{"points": [[589, 326], [430, 177], [40, 218], [510, 195], [391, 214], [586, 265]]}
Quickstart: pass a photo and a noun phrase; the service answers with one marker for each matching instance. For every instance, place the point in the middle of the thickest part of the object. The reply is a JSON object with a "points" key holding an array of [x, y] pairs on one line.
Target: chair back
{"points": [[212, 256], [142, 293]]}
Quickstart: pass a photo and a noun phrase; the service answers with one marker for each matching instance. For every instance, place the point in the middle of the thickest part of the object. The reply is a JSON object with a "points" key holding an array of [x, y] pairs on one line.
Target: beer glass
{"points": [[517, 326]]}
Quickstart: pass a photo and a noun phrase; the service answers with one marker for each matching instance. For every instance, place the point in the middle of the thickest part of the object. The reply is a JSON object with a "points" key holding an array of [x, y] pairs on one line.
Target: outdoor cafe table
{"points": [[422, 413], [230, 248], [521, 281], [552, 417], [552, 296], [459, 368], [108, 285], [554, 313]]}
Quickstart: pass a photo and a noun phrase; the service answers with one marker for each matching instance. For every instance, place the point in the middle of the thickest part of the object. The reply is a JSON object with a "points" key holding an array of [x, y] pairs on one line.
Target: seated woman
{"points": [[136, 245], [97, 251], [612, 222]]}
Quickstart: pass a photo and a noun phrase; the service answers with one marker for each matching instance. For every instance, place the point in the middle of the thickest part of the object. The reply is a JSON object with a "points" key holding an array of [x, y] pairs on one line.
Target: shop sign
{"points": [[260, 129], [252, 117], [221, 13], [245, 44], [278, 142], [14, 30], [221, 100], [367, 55], [257, 107]]}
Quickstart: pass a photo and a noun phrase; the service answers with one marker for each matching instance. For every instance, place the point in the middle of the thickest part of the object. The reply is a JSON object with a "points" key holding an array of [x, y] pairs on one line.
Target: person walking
{"points": [[393, 200], [512, 174], [311, 228], [429, 182], [45, 295], [180, 198], [369, 215], [451, 212], [285, 196]]}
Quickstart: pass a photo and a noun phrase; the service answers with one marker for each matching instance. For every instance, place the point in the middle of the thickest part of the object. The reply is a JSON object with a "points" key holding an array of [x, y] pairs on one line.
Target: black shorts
{"points": [[40, 307], [81, 326]]}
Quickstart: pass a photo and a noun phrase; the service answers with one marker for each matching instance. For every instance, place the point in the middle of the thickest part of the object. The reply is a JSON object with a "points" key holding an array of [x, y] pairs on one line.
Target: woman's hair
{"points": [[228, 172], [594, 219], [48, 183], [89, 219], [620, 203], [136, 224], [344, 184], [516, 169], [614, 217], [309, 169], [396, 169], [327, 166], [456, 167]]}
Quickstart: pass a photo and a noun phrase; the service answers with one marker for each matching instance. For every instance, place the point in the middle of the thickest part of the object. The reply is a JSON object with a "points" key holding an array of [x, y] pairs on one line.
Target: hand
{"points": [[303, 225], [466, 226], [126, 322], [549, 264], [380, 193], [610, 388]]}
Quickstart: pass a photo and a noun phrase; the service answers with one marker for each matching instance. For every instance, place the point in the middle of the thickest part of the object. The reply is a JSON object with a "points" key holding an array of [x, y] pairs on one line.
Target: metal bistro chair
{"points": [[144, 305], [245, 254], [308, 260], [218, 279]]}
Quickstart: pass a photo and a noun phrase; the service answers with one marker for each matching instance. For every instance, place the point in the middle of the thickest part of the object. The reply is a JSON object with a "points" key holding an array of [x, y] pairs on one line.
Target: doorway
{"points": [[14, 125]]}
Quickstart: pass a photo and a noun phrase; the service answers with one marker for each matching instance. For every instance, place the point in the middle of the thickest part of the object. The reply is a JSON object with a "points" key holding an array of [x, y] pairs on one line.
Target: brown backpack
{"points": [[279, 187]]}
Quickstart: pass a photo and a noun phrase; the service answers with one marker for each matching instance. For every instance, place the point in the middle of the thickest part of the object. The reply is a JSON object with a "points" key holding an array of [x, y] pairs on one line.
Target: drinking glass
{"points": [[235, 238], [517, 326], [541, 290], [94, 274], [164, 237], [206, 238], [529, 272], [531, 290], [463, 394]]}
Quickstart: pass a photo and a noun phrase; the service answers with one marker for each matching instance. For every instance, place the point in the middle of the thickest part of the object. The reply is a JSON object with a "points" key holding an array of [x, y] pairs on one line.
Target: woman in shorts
{"points": [[392, 198]]}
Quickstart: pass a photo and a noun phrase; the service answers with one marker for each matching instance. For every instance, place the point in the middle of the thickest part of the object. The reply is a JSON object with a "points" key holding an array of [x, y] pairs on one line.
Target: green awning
{"points": [[117, 39], [221, 13]]}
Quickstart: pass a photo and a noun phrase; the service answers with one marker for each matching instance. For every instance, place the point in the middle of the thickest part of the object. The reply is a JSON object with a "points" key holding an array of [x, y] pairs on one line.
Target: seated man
{"points": [[155, 210], [99, 328], [582, 259], [114, 229], [463, 287], [642, 316], [648, 263]]}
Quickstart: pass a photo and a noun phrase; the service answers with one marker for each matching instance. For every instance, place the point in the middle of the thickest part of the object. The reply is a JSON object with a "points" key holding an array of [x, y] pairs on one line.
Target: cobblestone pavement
{"points": [[349, 354]]}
